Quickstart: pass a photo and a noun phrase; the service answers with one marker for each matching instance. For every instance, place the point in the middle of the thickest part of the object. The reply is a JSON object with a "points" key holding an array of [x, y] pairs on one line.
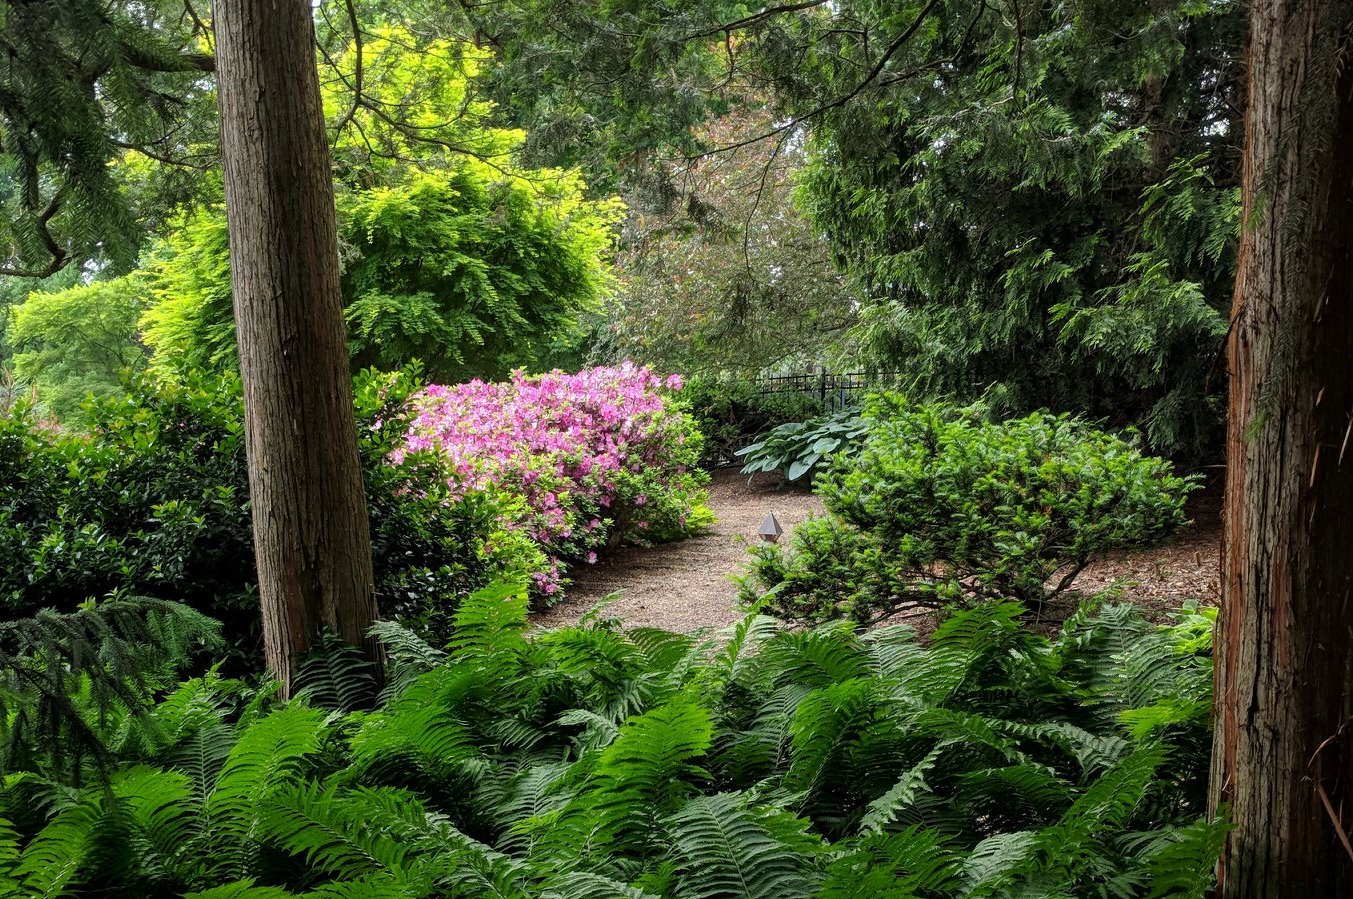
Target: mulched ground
{"points": [[688, 586]]}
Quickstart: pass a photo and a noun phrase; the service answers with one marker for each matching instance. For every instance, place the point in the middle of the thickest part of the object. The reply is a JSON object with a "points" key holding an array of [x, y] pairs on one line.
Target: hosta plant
{"points": [[796, 449], [732, 413]]}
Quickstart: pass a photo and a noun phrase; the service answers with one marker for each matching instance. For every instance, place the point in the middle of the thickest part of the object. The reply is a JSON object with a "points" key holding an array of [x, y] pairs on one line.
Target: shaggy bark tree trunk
{"points": [[1283, 756], [312, 540]]}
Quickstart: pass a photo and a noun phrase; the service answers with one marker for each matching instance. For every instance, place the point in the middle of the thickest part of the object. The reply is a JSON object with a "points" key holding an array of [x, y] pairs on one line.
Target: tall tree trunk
{"points": [[1283, 756], [311, 536]]}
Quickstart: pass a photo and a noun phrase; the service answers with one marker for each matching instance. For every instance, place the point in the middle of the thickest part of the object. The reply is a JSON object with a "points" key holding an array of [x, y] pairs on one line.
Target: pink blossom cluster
{"points": [[597, 456]]}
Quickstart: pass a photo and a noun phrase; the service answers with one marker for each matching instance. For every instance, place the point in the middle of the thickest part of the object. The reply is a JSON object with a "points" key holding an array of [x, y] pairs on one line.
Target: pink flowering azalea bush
{"points": [[599, 457]]}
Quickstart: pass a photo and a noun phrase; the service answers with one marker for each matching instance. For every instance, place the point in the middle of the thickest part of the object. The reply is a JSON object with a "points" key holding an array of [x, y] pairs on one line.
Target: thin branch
{"points": [[841, 100], [357, 72], [160, 157], [57, 253], [757, 18]]}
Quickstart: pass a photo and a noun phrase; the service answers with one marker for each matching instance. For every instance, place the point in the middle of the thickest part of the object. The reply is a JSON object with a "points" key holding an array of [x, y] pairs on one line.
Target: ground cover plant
{"points": [[595, 762], [797, 449], [941, 506], [599, 457]]}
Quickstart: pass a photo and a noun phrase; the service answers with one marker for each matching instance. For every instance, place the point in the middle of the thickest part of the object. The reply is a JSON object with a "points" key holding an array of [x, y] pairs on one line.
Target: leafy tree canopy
{"points": [[453, 252], [735, 279], [1036, 201], [78, 342]]}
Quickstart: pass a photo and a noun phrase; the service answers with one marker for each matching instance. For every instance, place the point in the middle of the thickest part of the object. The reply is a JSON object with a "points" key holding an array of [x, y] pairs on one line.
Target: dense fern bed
{"points": [[590, 762]]}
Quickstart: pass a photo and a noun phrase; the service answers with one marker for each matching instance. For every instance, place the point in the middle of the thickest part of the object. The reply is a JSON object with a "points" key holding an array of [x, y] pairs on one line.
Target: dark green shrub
{"points": [[590, 762], [941, 506], [153, 500], [798, 448], [732, 413]]}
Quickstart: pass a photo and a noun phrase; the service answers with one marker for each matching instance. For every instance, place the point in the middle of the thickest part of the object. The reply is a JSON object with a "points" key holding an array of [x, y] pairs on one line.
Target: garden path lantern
{"points": [[770, 529]]}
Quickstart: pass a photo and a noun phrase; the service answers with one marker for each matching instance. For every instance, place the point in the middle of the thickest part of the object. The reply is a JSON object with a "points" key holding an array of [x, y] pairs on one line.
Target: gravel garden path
{"points": [[687, 585]]}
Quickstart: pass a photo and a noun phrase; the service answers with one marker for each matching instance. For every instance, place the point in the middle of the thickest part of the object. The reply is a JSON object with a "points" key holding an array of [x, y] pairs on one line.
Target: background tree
{"points": [[312, 540], [1037, 202], [80, 342], [732, 278], [82, 83], [1283, 757]]}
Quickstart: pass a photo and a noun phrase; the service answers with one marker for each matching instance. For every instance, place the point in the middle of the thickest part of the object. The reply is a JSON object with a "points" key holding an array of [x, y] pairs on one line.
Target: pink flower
{"points": [[567, 445], [591, 558]]}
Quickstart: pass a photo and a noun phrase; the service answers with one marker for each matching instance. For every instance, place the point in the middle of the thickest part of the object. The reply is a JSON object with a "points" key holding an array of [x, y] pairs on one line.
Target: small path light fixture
{"points": [[770, 529]]}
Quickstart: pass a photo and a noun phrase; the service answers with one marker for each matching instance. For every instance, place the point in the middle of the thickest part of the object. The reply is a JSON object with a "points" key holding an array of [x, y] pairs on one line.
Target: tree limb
{"points": [[838, 101]]}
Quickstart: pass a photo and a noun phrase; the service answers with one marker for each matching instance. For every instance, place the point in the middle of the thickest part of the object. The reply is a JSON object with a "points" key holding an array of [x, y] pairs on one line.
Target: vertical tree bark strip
{"points": [[1283, 756], [311, 534]]}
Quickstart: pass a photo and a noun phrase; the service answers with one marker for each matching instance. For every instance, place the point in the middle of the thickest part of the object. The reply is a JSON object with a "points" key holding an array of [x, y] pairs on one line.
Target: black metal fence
{"points": [[834, 391]]}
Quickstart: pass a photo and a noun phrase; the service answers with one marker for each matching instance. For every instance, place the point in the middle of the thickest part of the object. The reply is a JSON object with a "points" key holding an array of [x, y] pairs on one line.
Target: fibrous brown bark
{"points": [[1283, 756], [311, 536]]}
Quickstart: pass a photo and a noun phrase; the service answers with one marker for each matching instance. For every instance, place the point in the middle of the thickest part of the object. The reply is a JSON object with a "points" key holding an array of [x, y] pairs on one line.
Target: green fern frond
{"points": [[996, 861], [344, 836], [885, 809], [1184, 867], [490, 621], [586, 885], [429, 737], [269, 756], [165, 821], [729, 850], [407, 655], [373, 887], [241, 889], [51, 862], [337, 676], [915, 862]]}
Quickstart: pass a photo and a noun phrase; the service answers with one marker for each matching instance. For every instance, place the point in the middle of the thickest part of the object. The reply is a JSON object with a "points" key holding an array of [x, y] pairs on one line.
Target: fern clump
{"points": [[944, 507], [589, 762]]}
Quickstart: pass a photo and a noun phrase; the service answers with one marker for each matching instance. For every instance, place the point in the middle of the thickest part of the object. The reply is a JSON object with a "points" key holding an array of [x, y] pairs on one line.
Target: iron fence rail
{"points": [[834, 391]]}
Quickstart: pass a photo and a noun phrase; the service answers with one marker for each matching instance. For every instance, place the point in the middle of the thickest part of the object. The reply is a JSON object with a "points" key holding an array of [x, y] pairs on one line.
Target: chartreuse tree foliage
{"points": [[468, 270], [592, 761], [78, 342], [453, 254]]}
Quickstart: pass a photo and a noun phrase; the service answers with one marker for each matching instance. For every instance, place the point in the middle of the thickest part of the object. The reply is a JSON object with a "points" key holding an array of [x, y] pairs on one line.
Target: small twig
{"points": [[728, 28], [1324, 797], [357, 71]]}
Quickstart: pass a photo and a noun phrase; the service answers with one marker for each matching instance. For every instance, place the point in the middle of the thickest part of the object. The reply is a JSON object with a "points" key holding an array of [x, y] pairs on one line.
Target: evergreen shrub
{"points": [[941, 506], [153, 500]]}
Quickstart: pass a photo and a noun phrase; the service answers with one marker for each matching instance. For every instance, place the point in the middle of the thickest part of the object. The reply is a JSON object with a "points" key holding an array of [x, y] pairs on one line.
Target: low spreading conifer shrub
{"points": [[941, 506]]}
